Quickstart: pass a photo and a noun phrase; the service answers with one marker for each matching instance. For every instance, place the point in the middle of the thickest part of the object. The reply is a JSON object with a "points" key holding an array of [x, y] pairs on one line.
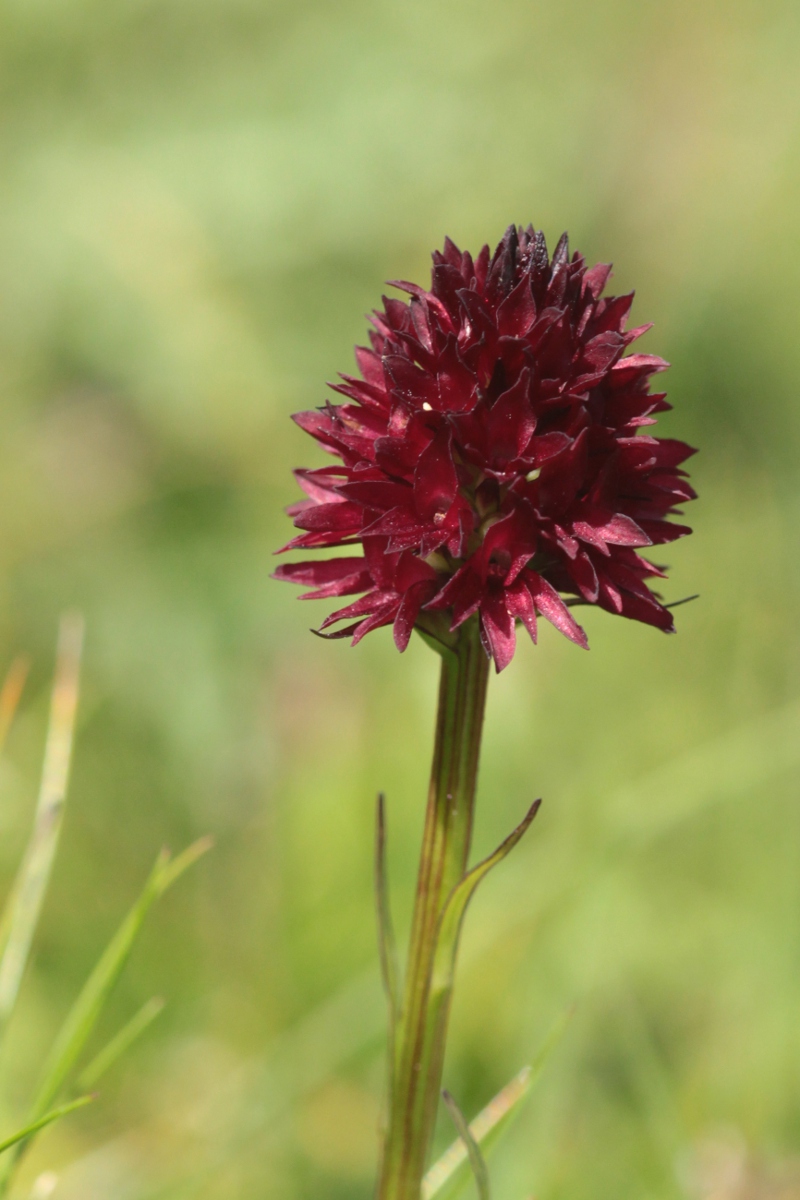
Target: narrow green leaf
{"points": [[47, 1119], [476, 1160], [454, 910], [21, 913], [120, 1043], [449, 1175], [84, 1013], [390, 971]]}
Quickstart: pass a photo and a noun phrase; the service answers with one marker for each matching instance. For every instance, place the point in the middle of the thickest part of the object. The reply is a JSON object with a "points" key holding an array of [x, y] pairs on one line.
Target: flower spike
{"points": [[494, 455]]}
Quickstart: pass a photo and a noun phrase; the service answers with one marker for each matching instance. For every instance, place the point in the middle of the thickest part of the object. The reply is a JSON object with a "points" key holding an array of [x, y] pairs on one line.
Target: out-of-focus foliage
{"points": [[198, 202]]}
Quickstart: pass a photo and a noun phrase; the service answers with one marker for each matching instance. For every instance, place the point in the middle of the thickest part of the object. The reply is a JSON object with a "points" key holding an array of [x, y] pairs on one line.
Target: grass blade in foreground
{"points": [[23, 906], [47, 1119], [85, 1011], [476, 1160], [121, 1042], [87, 1008], [449, 1175]]}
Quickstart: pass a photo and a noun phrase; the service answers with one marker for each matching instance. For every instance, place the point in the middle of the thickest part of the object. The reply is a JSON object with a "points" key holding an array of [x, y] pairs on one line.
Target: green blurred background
{"points": [[198, 203]]}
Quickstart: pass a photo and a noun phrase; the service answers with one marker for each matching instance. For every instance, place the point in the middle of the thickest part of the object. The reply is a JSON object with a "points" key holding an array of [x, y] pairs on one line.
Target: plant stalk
{"points": [[420, 1039]]}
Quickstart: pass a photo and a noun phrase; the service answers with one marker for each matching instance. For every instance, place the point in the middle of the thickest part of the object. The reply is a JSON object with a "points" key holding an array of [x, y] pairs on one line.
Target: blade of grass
{"points": [[10, 694], [83, 1015], [476, 1160], [47, 1119], [21, 913], [449, 1174], [121, 1042]]}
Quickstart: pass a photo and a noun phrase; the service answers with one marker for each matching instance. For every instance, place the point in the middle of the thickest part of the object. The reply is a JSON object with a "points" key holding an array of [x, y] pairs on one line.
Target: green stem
{"points": [[443, 863]]}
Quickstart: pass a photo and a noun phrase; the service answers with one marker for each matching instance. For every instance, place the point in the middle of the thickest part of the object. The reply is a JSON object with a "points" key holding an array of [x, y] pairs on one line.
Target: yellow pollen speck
{"points": [[534, 474], [426, 407]]}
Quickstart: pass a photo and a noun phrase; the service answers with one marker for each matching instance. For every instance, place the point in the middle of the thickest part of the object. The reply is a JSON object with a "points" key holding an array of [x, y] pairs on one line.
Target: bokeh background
{"points": [[198, 203]]}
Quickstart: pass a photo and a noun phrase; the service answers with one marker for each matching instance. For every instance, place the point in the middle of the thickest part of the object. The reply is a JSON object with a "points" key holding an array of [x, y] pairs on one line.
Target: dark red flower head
{"points": [[492, 456]]}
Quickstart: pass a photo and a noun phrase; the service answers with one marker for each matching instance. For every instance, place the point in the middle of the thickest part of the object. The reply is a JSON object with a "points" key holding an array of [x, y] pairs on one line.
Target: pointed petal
{"points": [[498, 626], [435, 479], [552, 607]]}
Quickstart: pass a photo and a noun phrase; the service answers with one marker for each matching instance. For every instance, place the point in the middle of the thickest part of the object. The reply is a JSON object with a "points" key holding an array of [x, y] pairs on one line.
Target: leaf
{"points": [[83, 1015], [449, 1174], [121, 1042], [21, 913], [390, 971], [47, 1119], [452, 917], [476, 1160]]}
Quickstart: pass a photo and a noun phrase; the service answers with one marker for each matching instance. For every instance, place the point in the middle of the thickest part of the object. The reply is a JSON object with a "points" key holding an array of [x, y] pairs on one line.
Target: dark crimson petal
{"points": [[313, 541], [451, 253], [446, 282], [383, 616], [660, 532], [362, 393], [415, 290], [602, 351], [612, 314], [412, 570], [321, 571], [321, 484], [420, 319], [563, 475], [638, 364], [339, 517], [341, 429], [436, 479], [671, 453], [380, 494], [401, 520], [638, 609], [479, 316], [633, 334], [517, 313], [405, 620], [399, 318], [498, 626], [581, 570], [347, 586], [398, 454], [370, 366], [519, 603], [600, 529], [596, 279], [510, 543], [462, 592], [547, 446], [410, 382], [561, 253], [457, 386], [337, 634], [511, 422], [552, 607], [371, 603], [381, 562]]}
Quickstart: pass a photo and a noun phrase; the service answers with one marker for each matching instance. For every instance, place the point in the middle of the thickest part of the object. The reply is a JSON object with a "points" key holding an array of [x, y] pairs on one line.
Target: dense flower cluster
{"points": [[491, 455]]}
